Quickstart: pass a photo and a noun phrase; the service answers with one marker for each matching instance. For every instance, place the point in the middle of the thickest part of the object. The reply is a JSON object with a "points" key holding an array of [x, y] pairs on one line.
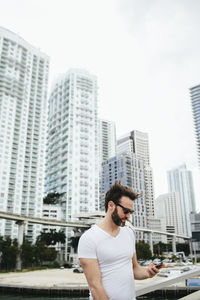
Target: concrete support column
{"points": [[151, 242], [20, 242], [174, 244]]}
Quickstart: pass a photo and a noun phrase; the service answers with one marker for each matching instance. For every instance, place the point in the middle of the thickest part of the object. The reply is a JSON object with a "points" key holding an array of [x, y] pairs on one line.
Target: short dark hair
{"points": [[117, 191]]}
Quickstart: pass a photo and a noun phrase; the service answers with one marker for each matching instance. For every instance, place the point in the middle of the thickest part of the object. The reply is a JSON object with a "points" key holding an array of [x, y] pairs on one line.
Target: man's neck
{"points": [[109, 226]]}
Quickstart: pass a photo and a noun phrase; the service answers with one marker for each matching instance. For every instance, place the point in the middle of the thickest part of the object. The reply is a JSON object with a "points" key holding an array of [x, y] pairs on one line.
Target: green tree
{"points": [[27, 254], [60, 237], [143, 250], [160, 247], [52, 237], [43, 253], [183, 247], [9, 250], [74, 242], [51, 198]]}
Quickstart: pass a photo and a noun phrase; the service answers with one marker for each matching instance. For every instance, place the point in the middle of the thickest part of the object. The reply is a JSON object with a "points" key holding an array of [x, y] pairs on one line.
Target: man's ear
{"points": [[111, 205]]}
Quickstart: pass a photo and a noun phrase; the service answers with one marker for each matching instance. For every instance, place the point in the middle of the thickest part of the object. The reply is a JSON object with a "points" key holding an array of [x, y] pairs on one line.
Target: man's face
{"points": [[118, 215]]}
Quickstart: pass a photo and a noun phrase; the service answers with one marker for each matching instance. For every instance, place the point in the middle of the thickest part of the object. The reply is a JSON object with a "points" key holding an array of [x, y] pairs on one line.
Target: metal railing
{"points": [[160, 284]]}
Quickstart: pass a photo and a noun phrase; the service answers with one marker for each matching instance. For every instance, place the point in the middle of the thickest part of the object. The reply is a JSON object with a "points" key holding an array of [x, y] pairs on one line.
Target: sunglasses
{"points": [[125, 210]]}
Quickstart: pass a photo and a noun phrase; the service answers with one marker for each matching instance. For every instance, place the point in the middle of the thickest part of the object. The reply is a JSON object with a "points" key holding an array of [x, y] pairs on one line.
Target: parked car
{"points": [[146, 263], [180, 264], [78, 270], [164, 273], [168, 273], [156, 261], [186, 269], [188, 262], [67, 265], [167, 260]]}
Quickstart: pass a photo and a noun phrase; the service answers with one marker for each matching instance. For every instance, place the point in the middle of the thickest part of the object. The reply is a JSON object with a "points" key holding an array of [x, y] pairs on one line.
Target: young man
{"points": [[107, 250]]}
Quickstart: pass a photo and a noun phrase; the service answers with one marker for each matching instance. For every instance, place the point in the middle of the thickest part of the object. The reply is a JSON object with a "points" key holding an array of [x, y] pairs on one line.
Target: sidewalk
{"points": [[44, 278]]}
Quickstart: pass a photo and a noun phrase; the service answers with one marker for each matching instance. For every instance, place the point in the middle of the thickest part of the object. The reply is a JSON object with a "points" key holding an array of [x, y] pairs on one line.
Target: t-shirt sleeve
{"points": [[132, 236], [86, 247]]}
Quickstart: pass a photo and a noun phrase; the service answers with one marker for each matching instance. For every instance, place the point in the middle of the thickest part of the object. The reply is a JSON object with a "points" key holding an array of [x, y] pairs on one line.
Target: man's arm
{"points": [[93, 275], [143, 272]]}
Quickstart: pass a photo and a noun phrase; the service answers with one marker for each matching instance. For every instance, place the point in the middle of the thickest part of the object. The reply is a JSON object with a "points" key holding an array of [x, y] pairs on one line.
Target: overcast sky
{"points": [[145, 54]]}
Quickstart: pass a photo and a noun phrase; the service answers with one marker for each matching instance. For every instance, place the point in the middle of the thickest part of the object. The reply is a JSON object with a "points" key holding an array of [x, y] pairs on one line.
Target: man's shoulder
{"points": [[89, 233], [87, 244]]}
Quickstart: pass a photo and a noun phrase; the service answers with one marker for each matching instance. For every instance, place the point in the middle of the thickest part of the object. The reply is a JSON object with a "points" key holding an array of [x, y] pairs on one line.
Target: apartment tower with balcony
{"points": [[72, 165], [24, 73]]}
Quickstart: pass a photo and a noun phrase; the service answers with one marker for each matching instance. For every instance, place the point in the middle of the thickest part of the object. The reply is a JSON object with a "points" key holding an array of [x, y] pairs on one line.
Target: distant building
{"points": [[170, 229], [195, 100], [53, 212], [158, 225], [107, 132], [137, 142], [167, 207], [107, 138], [72, 164], [180, 181], [24, 73], [129, 169]]}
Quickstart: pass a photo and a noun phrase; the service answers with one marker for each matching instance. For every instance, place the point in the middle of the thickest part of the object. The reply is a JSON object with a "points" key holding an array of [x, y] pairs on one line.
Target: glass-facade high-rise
{"points": [[24, 73]]}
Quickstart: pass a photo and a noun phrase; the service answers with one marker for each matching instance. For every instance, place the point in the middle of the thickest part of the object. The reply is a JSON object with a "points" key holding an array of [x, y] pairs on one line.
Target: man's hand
{"points": [[144, 272], [153, 270]]}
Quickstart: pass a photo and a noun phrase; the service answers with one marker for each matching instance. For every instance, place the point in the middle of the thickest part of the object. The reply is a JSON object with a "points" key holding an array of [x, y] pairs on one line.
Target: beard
{"points": [[116, 219]]}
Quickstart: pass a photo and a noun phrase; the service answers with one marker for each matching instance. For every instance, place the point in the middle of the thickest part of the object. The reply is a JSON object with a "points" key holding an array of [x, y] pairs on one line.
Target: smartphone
{"points": [[159, 265]]}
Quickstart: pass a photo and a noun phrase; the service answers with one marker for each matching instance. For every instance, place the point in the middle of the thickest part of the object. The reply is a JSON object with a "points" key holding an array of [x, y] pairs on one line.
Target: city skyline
{"points": [[145, 56]]}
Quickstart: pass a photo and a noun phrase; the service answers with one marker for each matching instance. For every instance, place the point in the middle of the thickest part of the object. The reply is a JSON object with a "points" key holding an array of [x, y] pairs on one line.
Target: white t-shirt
{"points": [[114, 255]]}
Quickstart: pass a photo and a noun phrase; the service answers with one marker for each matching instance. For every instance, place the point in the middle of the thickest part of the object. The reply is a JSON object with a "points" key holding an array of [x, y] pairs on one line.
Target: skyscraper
{"points": [[23, 103], [107, 134], [137, 142], [72, 165], [180, 181], [195, 99]]}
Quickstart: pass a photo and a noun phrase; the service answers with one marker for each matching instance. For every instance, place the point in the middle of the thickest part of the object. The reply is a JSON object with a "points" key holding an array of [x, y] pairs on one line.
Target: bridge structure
{"points": [[21, 221]]}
